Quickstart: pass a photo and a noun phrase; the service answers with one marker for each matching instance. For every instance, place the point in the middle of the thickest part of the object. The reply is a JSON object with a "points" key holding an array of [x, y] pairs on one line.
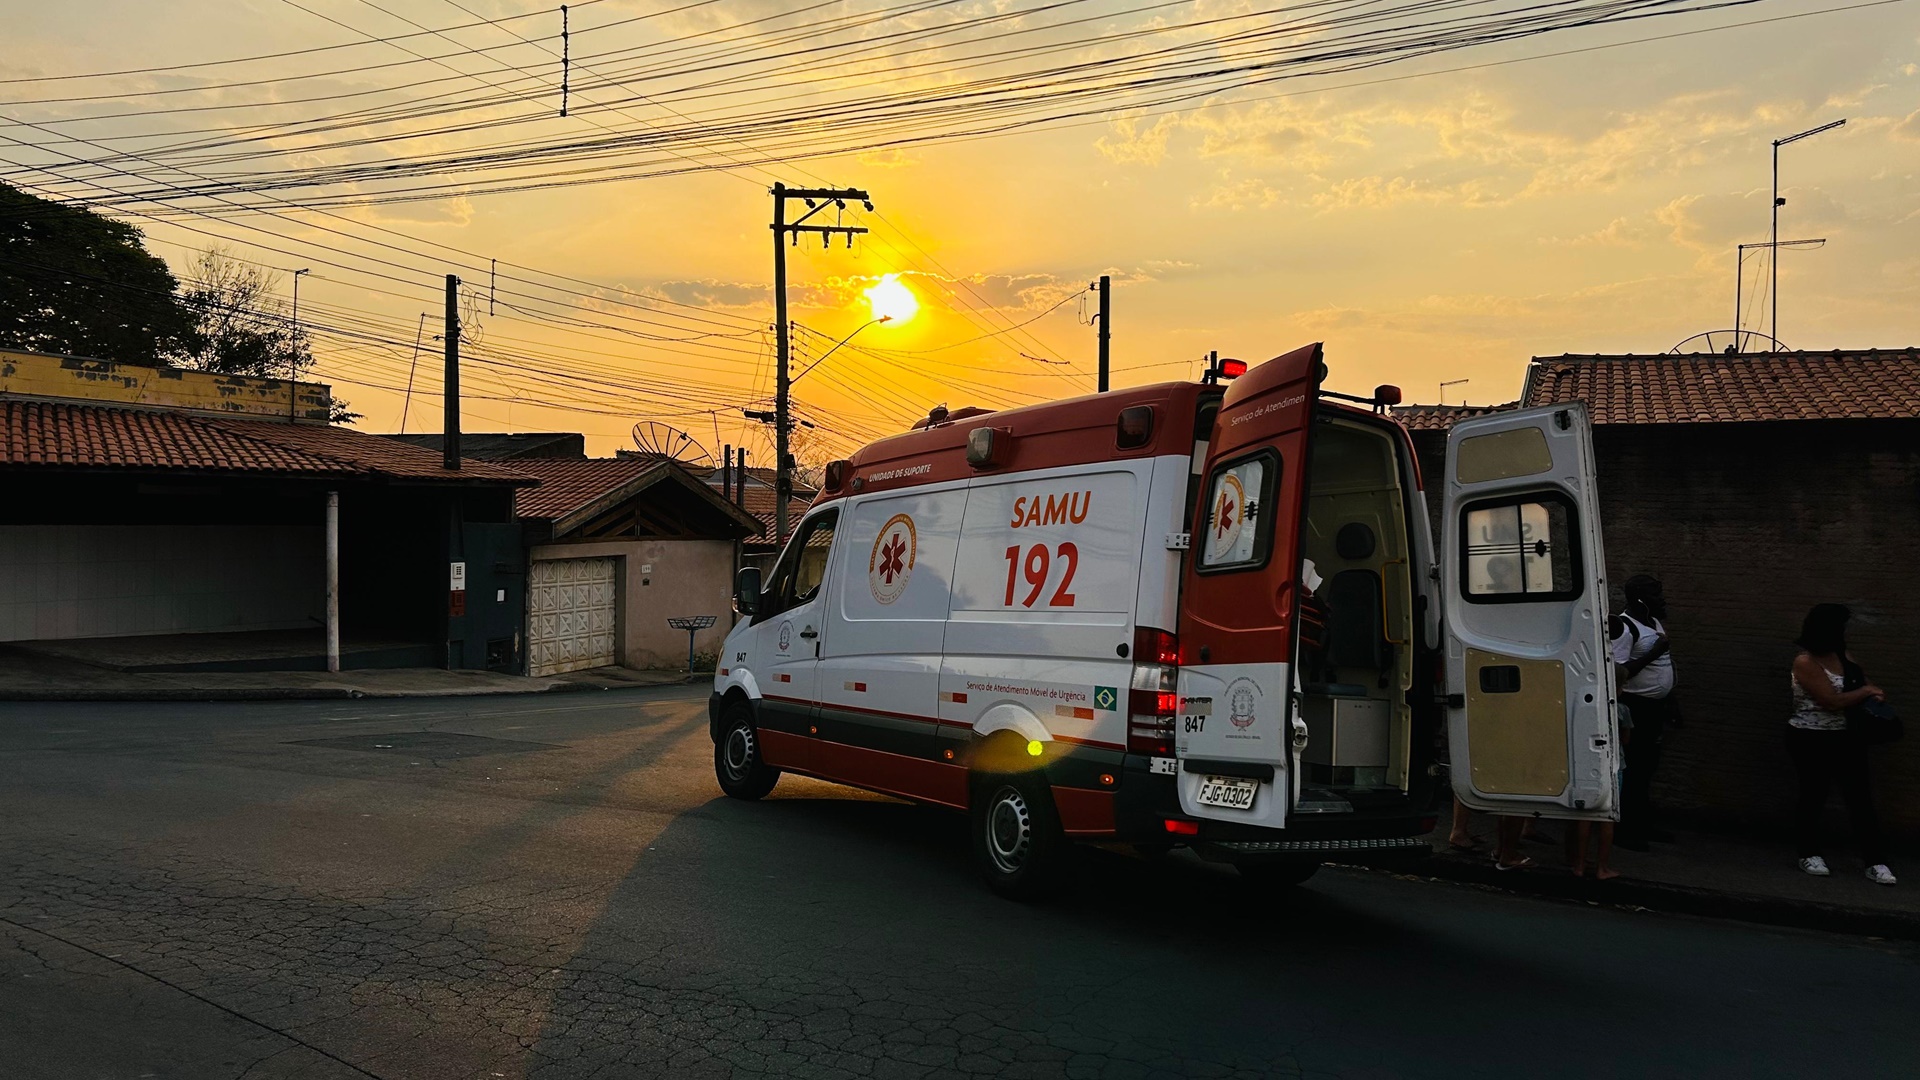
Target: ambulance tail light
{"points": [[1232, 369], [1153, 700]]}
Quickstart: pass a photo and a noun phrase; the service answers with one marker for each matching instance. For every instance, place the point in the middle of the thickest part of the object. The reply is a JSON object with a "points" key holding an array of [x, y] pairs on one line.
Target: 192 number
{"points": [[1036, 567]]}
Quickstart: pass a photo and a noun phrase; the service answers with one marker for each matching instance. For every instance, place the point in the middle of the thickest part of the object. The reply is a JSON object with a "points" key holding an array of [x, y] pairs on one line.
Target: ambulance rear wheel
{"points": [[1017, 841], [1284, 874], [736, 757]]}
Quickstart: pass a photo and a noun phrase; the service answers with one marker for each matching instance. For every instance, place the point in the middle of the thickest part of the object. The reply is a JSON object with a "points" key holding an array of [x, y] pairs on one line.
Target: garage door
{"points": [[570, 615]]}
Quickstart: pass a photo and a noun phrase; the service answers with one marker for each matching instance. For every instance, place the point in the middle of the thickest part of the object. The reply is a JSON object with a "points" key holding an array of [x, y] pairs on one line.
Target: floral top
{"points": [[1807, 713]]}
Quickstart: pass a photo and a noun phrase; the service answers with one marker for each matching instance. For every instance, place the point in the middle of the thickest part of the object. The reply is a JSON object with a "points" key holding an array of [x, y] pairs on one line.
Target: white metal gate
{"points": [[570, 615]]}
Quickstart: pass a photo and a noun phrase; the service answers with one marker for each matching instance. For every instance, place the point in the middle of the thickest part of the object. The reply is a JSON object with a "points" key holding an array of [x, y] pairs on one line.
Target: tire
{"points": [[1017, 842], [736, 756], [1280, 874]]}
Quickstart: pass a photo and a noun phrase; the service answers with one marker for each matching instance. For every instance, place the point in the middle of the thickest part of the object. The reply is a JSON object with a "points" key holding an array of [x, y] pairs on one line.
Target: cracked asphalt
{"points": [[334, 890]]}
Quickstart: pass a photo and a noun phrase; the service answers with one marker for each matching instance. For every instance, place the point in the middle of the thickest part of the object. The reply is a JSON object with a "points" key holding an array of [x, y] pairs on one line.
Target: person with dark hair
{"points": [[1824, 751], [1643, 664]]}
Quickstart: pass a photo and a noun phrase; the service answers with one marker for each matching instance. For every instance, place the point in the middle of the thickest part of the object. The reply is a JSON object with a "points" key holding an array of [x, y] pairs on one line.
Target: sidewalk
{"points": [[28, 676], [1723, 876]]}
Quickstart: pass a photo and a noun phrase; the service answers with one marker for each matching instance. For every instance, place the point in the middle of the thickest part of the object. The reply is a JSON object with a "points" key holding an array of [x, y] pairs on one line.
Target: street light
{"points": [[836, 345], [293, 347], [1774, 237]]}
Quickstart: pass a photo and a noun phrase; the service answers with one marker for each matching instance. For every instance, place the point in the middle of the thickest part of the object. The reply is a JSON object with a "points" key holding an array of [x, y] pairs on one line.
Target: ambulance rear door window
{"points": [[1239, 528]]}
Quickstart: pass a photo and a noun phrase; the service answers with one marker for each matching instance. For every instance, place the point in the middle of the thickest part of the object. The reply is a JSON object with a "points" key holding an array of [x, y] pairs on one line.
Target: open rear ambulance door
{"points": [[1530, 719], [1238, 603]]}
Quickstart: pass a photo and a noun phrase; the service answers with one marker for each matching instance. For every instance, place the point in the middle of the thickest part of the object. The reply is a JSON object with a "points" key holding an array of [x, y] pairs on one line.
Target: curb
{"points": [[308, 693], [1680, 899]]}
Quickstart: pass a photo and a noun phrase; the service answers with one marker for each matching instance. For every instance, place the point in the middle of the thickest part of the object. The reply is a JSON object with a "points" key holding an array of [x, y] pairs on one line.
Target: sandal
{"points": [[1473, 846], [1523, 864]]}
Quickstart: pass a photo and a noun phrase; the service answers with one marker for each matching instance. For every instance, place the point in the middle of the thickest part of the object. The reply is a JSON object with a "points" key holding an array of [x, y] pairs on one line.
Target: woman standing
{"points": [[1824, 752]]}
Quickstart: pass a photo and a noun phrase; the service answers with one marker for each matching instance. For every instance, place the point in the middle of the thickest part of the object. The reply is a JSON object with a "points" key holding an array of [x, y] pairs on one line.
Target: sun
{"points": [[891, 300]]}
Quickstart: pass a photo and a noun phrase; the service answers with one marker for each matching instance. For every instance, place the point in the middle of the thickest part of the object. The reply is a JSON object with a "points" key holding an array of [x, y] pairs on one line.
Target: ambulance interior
{"points": [[1355, 679]]}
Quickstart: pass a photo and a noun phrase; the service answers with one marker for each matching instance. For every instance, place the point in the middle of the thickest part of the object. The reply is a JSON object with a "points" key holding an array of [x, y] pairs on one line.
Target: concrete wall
{"points": [[1749, 525], [78, 581], [688, 577], [72, 378]]}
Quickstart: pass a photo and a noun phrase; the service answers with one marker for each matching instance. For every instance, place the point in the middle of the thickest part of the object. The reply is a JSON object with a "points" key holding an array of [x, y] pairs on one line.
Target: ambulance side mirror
{"points": [[746, 591]]}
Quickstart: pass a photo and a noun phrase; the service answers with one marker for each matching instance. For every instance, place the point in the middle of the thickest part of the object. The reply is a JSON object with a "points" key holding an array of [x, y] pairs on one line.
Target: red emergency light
{"points": [[1232, 369]]}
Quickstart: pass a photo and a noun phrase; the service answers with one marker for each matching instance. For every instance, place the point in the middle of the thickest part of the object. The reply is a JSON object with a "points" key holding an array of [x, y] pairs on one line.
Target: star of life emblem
{"points": [[891, 564]]}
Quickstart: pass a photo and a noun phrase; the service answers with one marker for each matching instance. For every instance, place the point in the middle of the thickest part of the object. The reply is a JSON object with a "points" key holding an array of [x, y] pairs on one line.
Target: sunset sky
{"points": [[1428, 223]]}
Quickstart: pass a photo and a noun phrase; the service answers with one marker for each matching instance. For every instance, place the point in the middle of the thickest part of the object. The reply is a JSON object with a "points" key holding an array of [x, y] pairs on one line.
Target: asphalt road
{"points": [[552, 886]]}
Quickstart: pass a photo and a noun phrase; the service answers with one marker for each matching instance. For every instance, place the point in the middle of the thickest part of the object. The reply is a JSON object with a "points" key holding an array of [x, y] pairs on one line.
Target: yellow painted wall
{"points": [[73, 378]]}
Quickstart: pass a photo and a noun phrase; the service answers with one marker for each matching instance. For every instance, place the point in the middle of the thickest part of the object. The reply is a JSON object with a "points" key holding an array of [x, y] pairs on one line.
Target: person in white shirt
{"points": [[1643, 663]]}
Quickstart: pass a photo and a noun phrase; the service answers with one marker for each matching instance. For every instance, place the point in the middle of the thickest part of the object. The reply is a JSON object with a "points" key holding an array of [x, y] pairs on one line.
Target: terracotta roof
{"points": [[761, 504], [1714, 388], [1441, 417], [567, 486], [44, 434]]}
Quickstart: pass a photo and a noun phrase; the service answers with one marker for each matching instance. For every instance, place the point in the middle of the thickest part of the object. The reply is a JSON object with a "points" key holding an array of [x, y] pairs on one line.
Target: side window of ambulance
{"points": [[1239, 530], [1519, 549], [804, 565]]}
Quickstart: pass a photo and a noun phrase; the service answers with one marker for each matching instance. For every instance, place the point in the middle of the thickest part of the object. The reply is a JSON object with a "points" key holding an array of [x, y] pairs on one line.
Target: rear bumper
{"points": [[1378, 851], [1147, 801]]}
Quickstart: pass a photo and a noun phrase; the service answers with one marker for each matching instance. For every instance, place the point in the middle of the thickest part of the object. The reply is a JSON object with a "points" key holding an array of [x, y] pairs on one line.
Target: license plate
{"points": [[1232, 792]]}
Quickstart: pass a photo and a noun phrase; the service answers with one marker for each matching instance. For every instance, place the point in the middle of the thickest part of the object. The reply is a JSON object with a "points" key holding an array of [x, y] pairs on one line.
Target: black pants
{"points": [[1650, 716], [1824, 759]]}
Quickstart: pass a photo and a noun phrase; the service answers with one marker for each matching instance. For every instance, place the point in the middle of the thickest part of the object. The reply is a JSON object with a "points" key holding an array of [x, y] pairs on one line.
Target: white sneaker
{"points": [[1817, 866], [1880, 875]]}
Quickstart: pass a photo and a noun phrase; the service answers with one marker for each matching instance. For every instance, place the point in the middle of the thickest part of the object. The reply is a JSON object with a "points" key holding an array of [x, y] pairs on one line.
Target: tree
{"points": [[75, 282], [242, 327]]}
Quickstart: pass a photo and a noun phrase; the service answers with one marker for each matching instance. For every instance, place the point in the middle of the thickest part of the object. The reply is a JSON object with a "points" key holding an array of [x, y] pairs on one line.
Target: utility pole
{"points": [[1105, 286], [450, 437], [1773, 238], [817, 199]]}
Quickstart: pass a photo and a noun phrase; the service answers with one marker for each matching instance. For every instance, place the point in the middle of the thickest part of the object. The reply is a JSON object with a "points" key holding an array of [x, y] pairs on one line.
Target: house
{"points": [[751, 488], [1754, 486], [506, 445], [213, 510], [617, 546]]}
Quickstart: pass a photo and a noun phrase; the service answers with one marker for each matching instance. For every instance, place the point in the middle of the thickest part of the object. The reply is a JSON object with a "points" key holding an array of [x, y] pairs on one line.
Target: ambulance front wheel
{"points": [[736, 757], [1017, 840]]}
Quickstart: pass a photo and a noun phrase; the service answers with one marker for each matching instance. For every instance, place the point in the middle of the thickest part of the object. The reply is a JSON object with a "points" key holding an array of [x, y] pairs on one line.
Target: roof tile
{"points": [[1712, 388], [567, 485], [39, 433]]}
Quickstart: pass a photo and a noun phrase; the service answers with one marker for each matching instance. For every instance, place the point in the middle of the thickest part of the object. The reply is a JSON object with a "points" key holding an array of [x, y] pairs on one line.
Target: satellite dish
{"points": [[1728, 343], [653, 437]]}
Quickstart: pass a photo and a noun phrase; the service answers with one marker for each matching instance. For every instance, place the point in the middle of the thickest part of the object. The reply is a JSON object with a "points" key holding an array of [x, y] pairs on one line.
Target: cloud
{"points": [[1030, 292], [888, 159], [1620, 232], [1715, 223], [1490, 319], [1908, 128], [1251, 193]]}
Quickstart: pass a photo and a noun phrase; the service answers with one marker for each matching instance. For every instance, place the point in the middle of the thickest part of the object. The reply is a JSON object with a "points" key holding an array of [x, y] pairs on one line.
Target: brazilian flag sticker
{"points": [[1106, 698]]}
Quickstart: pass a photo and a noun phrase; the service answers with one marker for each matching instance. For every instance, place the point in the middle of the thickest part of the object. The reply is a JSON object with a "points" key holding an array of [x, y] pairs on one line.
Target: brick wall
{"points": [[1749, 525]]}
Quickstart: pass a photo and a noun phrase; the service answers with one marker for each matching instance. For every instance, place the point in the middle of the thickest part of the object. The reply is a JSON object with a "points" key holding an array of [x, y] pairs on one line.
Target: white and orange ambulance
{"points": [[1191, 613]]}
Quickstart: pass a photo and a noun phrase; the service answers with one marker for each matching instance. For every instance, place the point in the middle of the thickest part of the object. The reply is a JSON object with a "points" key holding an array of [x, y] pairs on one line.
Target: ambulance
{"points": [[1204, 614]]}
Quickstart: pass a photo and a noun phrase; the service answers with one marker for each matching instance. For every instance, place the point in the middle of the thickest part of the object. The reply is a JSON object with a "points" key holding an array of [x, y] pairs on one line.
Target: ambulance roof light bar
{"points": [[1383, 395], [1222, 369]]}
